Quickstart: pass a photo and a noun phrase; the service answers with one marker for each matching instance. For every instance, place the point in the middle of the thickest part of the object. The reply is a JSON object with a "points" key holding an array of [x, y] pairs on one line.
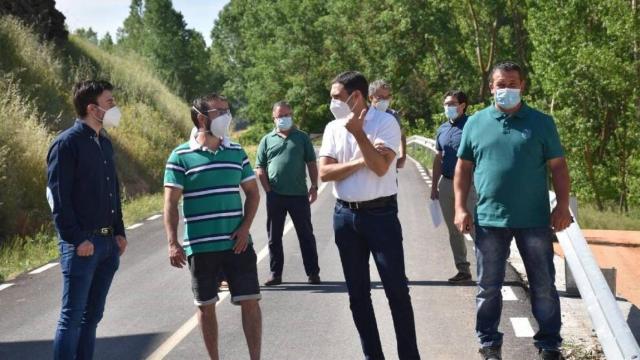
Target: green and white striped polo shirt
{"points": [[210, 182]]}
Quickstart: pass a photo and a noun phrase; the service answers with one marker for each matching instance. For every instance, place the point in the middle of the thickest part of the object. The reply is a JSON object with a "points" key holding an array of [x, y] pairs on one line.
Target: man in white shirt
{"points": [[365, 218]]}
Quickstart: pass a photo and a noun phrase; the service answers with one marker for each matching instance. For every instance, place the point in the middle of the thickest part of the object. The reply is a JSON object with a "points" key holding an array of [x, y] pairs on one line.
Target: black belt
{"points": [[105, 231], [369, 204]]}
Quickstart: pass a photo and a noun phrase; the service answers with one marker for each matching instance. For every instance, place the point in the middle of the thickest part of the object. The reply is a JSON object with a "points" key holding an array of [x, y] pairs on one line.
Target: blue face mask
{"points": [[507, 98], [284, 123], [451, 112]]}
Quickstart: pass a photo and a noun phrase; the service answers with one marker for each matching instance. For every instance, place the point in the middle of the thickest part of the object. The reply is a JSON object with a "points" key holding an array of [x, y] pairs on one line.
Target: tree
{"points": [[587, 67], [106, 42], [87, 34]]}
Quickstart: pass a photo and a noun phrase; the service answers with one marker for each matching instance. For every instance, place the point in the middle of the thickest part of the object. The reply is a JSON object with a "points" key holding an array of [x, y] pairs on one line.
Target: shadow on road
{"points": [[634, 322], [118, 347], [330, 287]]}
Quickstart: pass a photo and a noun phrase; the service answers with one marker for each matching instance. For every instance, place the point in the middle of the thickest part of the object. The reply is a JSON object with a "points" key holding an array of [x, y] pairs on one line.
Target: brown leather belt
{"points": [[369, 204]]}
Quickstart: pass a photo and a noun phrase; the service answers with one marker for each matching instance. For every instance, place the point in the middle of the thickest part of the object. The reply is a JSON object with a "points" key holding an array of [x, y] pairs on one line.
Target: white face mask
{"points": [[220, 125], [507, 98], [111, 117], [339, 108], [451, 112], [382, 105]]}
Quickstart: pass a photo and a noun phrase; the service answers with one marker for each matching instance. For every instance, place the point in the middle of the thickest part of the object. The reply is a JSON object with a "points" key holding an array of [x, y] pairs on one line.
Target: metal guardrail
{"points": [[614, 333]]}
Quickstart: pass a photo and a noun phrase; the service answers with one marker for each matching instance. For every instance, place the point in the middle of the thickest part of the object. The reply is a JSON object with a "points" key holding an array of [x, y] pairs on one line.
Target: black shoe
{"points": [[314, 279], [491, 353], [550, 354], [274, 280], [460, 277]]}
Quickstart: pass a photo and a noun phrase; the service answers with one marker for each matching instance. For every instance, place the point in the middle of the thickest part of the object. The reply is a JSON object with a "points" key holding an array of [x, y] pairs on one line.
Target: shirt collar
{"points": [[195, 145], [88, 130], [520, 114], [274, 132]]}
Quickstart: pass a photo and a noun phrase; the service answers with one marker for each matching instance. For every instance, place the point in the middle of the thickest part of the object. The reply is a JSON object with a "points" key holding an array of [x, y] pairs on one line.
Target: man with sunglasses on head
{"points": [[358, 150], [207, 173], [84, 195]]}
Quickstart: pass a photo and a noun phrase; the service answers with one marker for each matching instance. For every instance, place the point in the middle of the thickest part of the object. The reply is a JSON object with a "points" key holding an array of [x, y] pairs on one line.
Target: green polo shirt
{"points": [[285, 160], [510, 154], [210, 183]]}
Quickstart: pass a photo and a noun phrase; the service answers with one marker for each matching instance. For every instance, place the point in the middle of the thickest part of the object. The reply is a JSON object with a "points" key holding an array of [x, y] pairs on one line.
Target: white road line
{"points": [[468, 237], [522, 327], [165, 348], [508, 294], [135, 226], [154, 217], [43, 268], [179, 335], [5, 286]]}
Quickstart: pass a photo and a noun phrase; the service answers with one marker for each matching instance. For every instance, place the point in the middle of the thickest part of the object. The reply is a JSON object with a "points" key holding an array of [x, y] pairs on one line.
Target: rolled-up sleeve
{"points": [[390, 134], [60, 175]]}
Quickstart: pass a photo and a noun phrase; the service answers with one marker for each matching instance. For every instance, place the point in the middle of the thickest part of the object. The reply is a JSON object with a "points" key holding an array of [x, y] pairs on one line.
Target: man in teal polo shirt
{"points": [[508, 147], [282, 157], [207, 173]]}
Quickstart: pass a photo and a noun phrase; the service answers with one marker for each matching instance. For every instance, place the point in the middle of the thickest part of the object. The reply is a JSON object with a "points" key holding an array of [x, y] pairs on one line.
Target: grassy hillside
{"points": [[35, 103]]}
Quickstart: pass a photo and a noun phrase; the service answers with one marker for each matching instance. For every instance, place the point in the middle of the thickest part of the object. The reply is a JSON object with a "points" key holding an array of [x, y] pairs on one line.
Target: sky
{"points": [[108, 16]]}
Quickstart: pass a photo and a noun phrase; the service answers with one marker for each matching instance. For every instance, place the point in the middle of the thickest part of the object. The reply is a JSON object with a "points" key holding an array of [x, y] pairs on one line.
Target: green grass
{"points": [[141, 207], [19, 254], [591, 218], [422, 155]]}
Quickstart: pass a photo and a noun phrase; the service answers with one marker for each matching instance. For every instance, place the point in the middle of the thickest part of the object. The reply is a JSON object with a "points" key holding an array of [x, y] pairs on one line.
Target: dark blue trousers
{"points": [[299, 209]]}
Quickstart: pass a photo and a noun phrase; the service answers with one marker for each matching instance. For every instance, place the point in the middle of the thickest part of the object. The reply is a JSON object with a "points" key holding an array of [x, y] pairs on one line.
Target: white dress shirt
{"points": [[338, 143]]}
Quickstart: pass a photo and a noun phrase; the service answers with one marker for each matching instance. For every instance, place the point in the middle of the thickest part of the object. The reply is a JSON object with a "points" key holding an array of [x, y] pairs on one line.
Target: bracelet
{"points": [[313, 187]]}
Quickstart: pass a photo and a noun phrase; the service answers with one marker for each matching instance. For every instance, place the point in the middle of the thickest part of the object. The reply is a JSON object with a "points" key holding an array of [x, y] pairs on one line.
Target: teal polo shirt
{"points": [[510, 153], [285, 159]]}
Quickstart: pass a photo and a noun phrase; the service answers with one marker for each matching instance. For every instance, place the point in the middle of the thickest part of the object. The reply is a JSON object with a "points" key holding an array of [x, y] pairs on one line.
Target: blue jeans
{"points": [[86, 282], [299, 209], [377, 232], [536, 249]]}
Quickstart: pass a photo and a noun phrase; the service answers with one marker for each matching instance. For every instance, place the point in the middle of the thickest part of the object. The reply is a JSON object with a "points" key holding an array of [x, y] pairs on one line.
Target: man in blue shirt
{"points": [[444, 164], [509, 149], [84, 196]]}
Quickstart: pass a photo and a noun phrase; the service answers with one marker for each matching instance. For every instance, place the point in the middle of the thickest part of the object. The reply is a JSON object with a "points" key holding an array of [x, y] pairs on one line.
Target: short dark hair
{"points": [[353, 80], [201, 105], [460, 96], [281, 103], [86, 93], [506, 66]]}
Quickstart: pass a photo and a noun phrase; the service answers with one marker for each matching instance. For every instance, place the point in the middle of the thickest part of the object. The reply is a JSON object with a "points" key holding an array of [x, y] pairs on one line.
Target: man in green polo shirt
{"points": [[508, 148], [207, 173], [282, 157]]}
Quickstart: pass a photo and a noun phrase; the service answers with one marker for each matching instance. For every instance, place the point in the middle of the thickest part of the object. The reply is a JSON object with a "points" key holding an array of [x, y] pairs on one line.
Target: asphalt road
{"points": [[150, 311]]}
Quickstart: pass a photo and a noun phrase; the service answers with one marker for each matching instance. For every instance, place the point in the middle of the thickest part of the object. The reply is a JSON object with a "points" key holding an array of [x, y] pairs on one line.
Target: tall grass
{"points": [[35, 102]]}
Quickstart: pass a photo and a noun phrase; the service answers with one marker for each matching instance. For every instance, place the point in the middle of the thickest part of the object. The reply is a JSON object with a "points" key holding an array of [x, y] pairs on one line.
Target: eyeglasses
{"points": [[219, 111]]}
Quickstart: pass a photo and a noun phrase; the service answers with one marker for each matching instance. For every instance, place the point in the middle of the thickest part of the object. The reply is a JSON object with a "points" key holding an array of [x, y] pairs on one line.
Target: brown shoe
{"points": [[314, 279], [274, 280]]}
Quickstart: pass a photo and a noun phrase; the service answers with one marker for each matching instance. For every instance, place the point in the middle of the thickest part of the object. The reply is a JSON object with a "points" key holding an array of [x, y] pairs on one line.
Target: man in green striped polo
{"points": [[207, 173]]}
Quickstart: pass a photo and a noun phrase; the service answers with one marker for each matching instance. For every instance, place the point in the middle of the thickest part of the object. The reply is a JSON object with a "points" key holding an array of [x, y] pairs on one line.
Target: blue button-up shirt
{"points": [[447, 141], [82, 185]]}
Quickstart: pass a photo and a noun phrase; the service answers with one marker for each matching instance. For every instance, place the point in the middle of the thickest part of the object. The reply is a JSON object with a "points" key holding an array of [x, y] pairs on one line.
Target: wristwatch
{"points": [[314, 187]]}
